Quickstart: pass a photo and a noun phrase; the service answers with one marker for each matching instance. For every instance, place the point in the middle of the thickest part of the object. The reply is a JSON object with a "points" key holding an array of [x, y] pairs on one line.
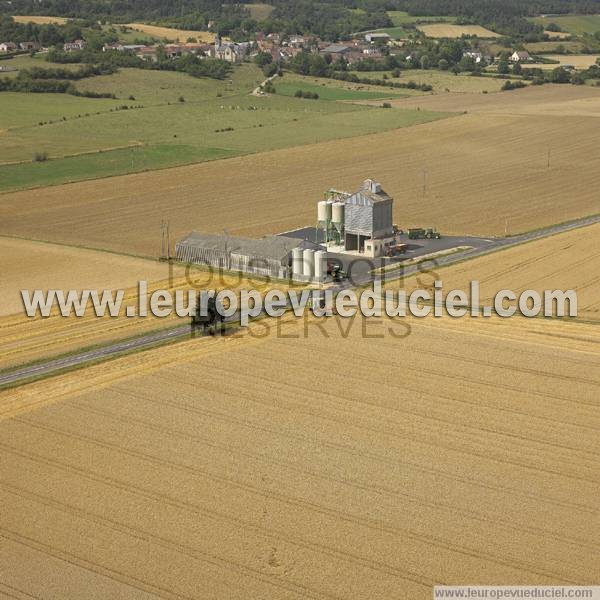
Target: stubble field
{"points": [[447, 30], [569, 261], [464, 452]]}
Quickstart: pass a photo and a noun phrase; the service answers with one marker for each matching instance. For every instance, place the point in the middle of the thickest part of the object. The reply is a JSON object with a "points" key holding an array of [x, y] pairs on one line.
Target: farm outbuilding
{"points": [[270, 256]]}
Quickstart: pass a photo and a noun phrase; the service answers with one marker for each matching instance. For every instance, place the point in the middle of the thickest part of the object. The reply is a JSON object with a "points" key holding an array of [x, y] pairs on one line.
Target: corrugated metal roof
{"points": [[272, 246], [336, 48]]}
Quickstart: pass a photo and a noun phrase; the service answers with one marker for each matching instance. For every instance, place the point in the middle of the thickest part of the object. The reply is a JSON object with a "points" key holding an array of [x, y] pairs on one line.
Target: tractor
{"points": [[419, 233], [208, 315]]}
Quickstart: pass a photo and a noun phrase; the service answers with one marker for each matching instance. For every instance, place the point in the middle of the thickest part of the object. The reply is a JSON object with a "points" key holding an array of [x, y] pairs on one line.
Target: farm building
{"points": [[368, 219], [270, 256], [375, 37]]}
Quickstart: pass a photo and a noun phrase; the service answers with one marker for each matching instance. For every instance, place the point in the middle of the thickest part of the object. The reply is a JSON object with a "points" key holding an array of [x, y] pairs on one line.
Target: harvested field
{"points": [[269, 193], [148, 477], [177, 35], [558, 35], [550, 100], [447, 30], [579, 61], [569, 261], [40, 20], [32, 265]]}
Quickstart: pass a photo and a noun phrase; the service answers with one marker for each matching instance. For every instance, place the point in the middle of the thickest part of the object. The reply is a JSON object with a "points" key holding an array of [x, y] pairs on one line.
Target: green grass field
{"points": [[328, 92], [400, 17], [575, 24], [160, 131]]}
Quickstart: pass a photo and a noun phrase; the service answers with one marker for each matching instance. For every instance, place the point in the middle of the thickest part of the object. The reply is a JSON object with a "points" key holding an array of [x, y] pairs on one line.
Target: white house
{"points": [[73, 46], [7, 47], [520, 56]]}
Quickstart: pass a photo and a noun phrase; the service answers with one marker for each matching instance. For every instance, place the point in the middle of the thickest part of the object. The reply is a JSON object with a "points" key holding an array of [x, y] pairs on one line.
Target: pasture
{"points": [[378, 484], [276, 191], [575, 24], [400, 17], [333, 90], [445, 30], [167, 119]]}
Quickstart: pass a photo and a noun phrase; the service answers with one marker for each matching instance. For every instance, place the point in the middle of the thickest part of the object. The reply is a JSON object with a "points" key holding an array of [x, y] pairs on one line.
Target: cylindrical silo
{"points": [[328, 208], [297, 263], [309, 263], [320, 265], [322, 211], [337, 214]]}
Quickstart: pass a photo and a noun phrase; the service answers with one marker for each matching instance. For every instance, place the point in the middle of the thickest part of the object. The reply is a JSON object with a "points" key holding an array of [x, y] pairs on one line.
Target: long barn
{"points": [[270, 256]]}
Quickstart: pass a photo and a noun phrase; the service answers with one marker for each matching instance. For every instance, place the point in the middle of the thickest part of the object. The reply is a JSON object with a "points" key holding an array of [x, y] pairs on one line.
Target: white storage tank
{"points": [[320, 265], [297, 263], [337, 213], [309, 263], [322, 210]]}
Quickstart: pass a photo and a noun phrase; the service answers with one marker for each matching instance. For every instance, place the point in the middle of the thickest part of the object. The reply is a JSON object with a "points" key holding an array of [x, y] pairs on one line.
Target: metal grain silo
{"points": [[297, 263], [320, 265], [309, 263]]}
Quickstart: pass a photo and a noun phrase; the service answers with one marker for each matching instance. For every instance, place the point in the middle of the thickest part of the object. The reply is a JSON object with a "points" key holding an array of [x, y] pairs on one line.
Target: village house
{"points": [[7, 47], [147, 53], [29, 46], [520, 56], [74, 46]]}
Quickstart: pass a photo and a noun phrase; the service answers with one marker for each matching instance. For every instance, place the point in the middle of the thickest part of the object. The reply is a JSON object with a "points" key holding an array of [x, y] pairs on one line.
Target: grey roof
{"points": [[368, 197], [273, 246], [334, 48]]}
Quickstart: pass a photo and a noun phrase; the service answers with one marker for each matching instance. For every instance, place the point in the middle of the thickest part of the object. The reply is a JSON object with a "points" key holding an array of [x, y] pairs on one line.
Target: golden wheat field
{"points": [[169, 33], [40, 20], [26, 339], [569, 261], [448, 30], [463, 452], [580, 61], [482, 168], [30, 265]]}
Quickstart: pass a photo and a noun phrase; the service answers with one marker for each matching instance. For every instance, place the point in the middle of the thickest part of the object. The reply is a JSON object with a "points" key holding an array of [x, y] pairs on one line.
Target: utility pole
{"points": [[424, 173]]}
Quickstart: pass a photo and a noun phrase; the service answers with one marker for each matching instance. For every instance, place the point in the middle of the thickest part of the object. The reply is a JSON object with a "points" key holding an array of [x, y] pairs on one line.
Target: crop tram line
{"points": [[32, 372]]}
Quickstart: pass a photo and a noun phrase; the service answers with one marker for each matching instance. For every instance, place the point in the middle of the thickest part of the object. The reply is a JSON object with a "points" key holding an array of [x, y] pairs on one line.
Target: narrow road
{"points": [[55, 366]]}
